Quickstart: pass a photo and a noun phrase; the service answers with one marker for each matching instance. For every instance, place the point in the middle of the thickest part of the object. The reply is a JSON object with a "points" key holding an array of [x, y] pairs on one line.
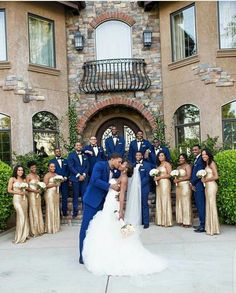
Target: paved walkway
{"points": [[49, 264]]}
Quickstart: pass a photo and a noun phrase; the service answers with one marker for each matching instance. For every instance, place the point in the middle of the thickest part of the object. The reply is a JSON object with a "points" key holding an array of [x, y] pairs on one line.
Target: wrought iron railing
{"points": [[113, 75]]}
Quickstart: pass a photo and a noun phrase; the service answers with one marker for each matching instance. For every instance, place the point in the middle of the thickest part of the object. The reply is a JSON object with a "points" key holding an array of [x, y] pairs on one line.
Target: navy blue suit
{"points": [[94, 196], [144, 170], [64, 187], [153, 156], [118, 148], [93, 158], [199, 194], [77, 168], [133, 149]]}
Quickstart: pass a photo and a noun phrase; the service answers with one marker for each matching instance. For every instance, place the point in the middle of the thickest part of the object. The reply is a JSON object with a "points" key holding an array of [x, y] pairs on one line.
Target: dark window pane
{"points": [[229, 134], [3, 50], [45, 121], [229, 111]]}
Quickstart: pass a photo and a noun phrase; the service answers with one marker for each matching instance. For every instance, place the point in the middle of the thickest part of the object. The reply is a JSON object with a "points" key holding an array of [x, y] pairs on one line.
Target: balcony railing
{"points": [[114, 75]]}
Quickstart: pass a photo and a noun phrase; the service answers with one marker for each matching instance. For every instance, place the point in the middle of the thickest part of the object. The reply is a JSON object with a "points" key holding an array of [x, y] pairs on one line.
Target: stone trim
{"points": [[44, 69], [5, 65], [224, 53], [183, 62], [112, 16], [112, 102]]}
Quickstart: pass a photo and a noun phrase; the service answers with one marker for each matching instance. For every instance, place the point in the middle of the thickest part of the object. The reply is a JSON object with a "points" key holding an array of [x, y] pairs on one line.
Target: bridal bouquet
{"points": [[201, 174], [23, 187], [154, 173], [41, 186], [175, 174], [58, 179], [126, 229]]}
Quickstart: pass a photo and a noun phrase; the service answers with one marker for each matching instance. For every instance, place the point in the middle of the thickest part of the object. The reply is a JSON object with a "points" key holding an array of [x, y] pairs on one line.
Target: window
{"points": [[229, 125], [113, 40], [227, 24], [3, 47], [5, 139], [183, 33], [187, 123], [45, 132], [41, 41]]}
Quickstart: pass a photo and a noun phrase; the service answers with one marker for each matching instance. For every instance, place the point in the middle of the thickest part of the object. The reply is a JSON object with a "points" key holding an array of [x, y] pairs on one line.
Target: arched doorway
{"points": [[125, 127]]}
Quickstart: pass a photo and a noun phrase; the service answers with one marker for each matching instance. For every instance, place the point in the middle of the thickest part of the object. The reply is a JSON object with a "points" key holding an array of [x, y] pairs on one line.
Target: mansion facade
{"points": [[120, 63]]}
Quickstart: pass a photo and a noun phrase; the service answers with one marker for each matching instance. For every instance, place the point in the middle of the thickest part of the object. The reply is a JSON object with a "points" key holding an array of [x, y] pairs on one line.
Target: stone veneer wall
{"points": [[94, 13]]}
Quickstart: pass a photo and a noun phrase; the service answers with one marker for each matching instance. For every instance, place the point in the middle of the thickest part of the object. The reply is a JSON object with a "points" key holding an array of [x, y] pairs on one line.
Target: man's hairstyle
{"points": [[115, 156], [197, 145]]}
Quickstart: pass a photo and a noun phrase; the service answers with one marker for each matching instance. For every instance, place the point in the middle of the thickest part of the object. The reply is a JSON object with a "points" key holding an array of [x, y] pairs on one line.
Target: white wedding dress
{"points": [[107, 252]]}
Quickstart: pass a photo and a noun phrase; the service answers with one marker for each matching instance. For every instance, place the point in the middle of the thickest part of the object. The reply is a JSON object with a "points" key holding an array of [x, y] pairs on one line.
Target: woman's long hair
{"points": [[210, 155], [14, 173], [158, 161]]}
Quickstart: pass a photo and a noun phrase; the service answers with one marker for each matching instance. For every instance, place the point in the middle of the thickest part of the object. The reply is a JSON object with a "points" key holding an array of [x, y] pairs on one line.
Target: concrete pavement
{"points": [[49, 264]]}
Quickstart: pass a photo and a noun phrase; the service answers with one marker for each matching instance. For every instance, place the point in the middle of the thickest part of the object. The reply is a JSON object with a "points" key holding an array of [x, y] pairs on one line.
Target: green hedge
{"points": [[226, 200], [6, 205]]}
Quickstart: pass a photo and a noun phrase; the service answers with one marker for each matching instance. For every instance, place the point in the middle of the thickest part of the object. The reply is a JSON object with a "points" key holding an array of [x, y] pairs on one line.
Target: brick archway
{"points": [[135, 105], [112, 16]]}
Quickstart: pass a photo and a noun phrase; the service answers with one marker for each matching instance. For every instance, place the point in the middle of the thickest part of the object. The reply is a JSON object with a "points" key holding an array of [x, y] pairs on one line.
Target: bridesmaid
{"points": [[35, 208], [183, 193], [212, 223], [52, 216], [20, 203], [163, 192]]}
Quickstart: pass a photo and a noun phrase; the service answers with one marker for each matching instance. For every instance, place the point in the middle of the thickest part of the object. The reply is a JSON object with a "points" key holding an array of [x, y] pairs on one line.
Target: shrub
{"points": [[6, 205], [226, 200]]}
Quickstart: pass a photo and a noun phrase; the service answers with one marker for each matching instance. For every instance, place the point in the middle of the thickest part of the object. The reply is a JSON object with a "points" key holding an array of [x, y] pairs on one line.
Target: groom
{"points": [[96, 192]]}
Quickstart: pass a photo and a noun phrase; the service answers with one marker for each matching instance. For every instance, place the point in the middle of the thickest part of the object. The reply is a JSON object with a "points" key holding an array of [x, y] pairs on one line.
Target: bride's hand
{"points": [[121, 215], [115, 186]]}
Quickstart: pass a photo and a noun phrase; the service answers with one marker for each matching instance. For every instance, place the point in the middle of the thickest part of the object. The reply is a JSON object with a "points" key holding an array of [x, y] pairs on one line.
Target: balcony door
{"points": [[126, 128], [113, 40]]}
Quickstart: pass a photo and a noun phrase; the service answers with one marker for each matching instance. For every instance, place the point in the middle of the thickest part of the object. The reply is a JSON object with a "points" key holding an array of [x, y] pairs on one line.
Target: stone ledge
{"points": [[5, 65], [226, 53], [184, 62], [44, 69]]}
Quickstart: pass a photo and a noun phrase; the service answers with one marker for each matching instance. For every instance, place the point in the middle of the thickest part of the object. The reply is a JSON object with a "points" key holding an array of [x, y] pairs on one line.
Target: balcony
{"points": [[114, 75]]}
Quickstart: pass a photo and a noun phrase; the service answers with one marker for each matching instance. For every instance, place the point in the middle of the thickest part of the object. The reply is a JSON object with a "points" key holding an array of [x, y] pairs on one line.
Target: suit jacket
{"points": [[118, 148], [152, 156], [93, 158], [144, 170], [133, 149], [195, 181], [64, 170], [98, 185], [76, 167]]}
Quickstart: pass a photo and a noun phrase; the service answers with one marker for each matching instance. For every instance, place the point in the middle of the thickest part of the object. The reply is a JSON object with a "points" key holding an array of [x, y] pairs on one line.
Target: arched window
{"points": [[5, 138], [187, 123], [45, 132], [113, 40], [229, 125]]}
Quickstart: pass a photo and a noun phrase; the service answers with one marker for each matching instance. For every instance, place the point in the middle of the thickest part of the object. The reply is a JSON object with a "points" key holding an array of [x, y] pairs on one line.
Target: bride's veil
{"points": [[133, 211]]}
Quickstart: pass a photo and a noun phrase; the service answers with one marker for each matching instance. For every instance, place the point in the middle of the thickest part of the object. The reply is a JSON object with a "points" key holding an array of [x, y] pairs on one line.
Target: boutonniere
{"points": [[141, 169], [115, 171], [143, 145]]}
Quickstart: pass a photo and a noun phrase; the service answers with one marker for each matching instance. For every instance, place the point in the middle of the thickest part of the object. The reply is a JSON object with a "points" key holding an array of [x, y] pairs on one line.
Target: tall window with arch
{"points": [[187, 123], [45, 133], [229, 125], [5, 138]]}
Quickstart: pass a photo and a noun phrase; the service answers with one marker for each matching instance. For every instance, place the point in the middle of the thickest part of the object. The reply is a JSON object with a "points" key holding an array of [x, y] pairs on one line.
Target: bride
{"points": [[106, 251]]}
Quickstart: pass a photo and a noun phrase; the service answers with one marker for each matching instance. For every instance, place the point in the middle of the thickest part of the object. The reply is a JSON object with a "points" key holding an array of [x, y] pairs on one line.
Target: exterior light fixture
{"points": [[147, 38]]}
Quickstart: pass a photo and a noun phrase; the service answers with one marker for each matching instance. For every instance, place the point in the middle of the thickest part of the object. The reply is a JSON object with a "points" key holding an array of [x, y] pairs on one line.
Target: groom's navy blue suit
{"points": [[94, 196], [199, 194]]}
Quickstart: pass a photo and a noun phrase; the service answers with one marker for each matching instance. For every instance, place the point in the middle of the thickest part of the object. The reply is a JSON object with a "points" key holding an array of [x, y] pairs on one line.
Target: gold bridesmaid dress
{"points": [[52, 216], [163, 201], [22, 221], [35, 211], [183, 201], [212, 222]]}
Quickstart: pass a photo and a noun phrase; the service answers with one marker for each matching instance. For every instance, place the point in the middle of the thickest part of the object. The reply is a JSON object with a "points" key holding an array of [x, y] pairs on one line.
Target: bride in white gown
{"points": [[106, 251]]}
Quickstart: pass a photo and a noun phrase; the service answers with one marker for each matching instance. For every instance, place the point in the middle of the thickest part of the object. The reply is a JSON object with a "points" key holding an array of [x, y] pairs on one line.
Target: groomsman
{"points": [[115, 143], [62, 169], [152, 153], [144, 169], [79, 167], [198, 188], [138, 145], [94, 153]]}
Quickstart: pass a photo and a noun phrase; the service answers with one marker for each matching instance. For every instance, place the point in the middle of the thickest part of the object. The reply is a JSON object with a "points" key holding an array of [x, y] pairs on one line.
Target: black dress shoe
{"points": [[145, 226], [200, 230], [196, 227], [81, 261]]}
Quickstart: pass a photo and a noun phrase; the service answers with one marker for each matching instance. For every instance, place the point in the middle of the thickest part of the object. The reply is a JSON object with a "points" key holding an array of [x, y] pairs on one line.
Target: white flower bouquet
{"points": [[23, 187], [154, 173], [41, 186], [126, 229], [175, 174], [58, 179], [201, 174]]}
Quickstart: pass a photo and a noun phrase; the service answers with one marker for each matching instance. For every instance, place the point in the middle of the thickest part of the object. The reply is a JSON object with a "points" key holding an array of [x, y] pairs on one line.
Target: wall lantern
{"points": [[147, 37], [79, 41]]}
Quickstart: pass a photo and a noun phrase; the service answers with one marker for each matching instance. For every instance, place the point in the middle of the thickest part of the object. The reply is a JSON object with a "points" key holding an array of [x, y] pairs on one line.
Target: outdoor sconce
{"points": [[79, 41], [147, 37]]}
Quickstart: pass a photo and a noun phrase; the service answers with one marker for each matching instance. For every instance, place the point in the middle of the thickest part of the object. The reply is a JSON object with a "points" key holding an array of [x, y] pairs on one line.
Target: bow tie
{"points": [[139, 140], [139, 162], [59, 158], [157, 148], [114, 136], [94, 146], [79, 153]]}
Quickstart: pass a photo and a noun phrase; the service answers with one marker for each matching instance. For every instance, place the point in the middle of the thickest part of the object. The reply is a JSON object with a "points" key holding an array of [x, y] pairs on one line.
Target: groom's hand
{"points": [[115, 186]]}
